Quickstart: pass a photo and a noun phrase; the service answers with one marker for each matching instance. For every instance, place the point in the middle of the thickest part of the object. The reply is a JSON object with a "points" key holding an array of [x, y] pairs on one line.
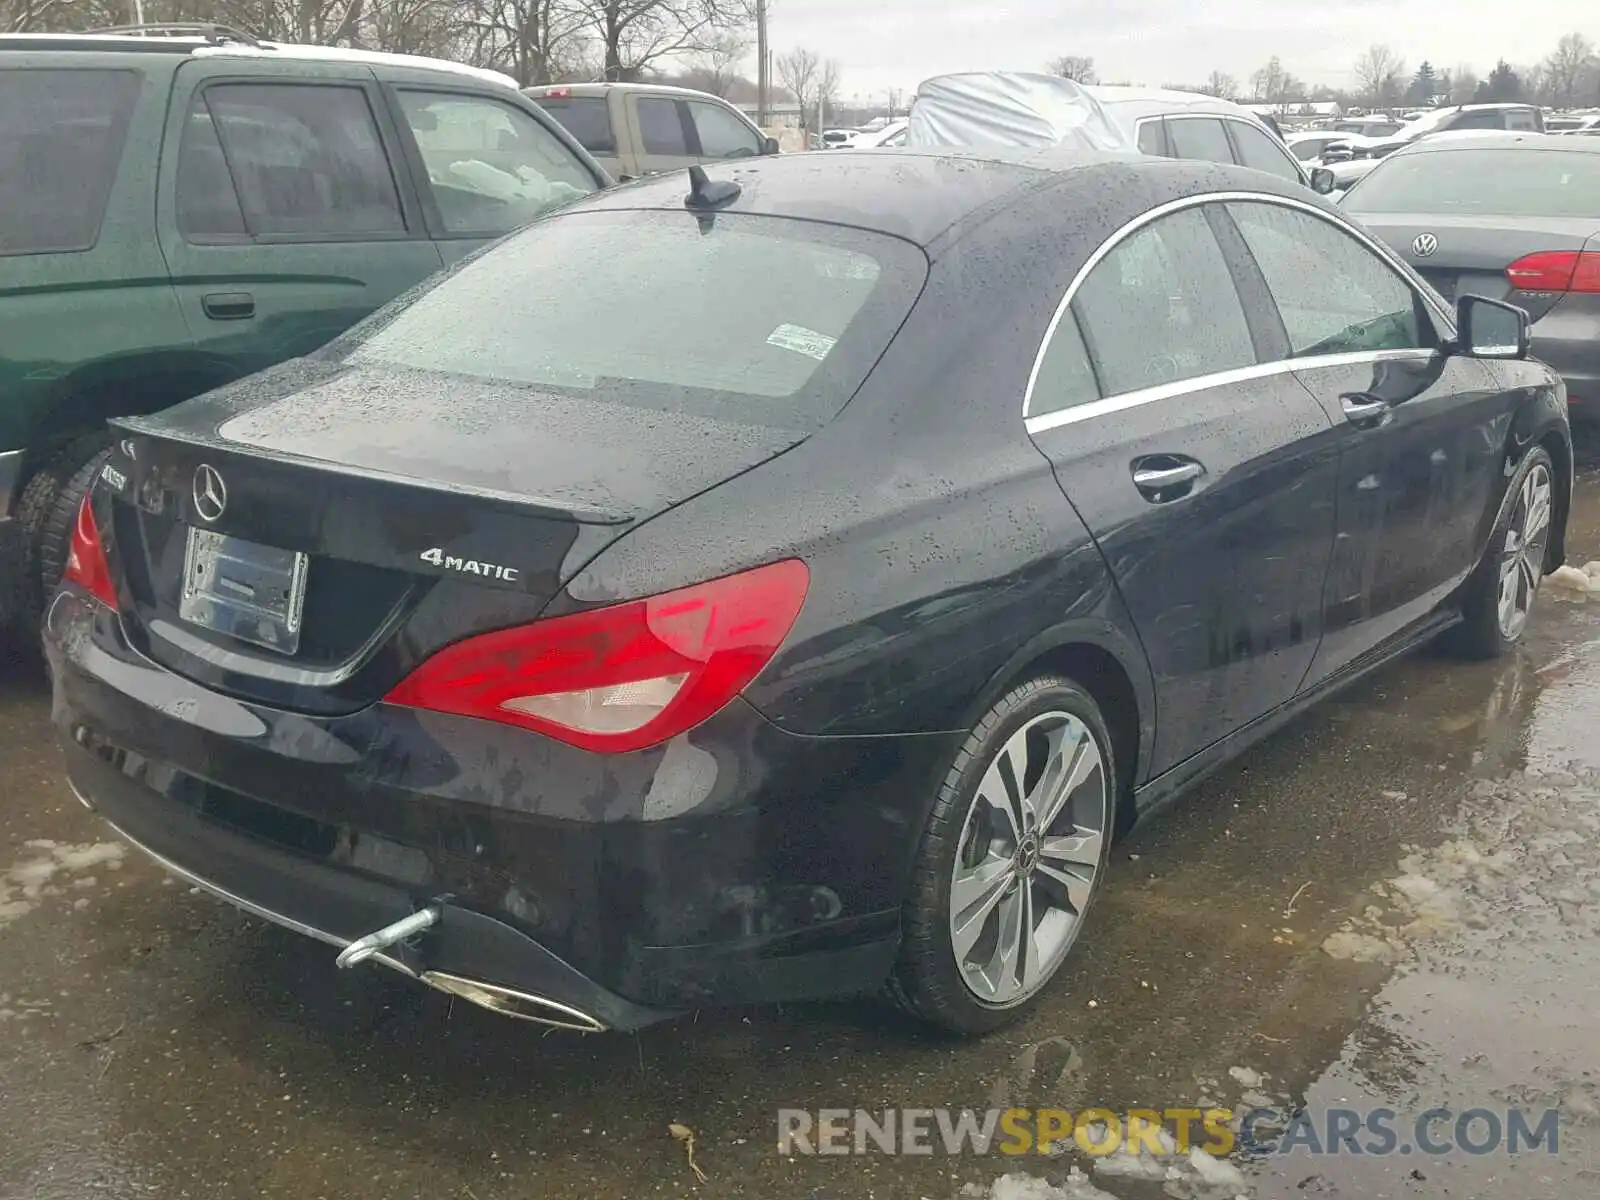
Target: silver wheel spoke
{"points": [[1002, 970], [973, 897], [1072, 862], [1002, 791]]}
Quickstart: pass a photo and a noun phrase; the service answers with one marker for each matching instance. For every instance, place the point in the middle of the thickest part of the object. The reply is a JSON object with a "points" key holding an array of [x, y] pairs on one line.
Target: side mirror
{"points": [[1322, 181], [769, 145], [1488, 328]]}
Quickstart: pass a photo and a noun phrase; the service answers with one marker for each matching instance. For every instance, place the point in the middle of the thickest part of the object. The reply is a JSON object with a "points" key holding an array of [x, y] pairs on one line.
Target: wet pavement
{"points": [[1394, 902]]}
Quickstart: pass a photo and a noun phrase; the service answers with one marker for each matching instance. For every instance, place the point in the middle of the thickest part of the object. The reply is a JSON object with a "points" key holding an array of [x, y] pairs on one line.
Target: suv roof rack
{"points": [[217, 35]]}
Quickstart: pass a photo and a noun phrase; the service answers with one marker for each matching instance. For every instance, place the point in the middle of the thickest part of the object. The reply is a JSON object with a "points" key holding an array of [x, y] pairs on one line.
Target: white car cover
{"points": [[1009, 110]]}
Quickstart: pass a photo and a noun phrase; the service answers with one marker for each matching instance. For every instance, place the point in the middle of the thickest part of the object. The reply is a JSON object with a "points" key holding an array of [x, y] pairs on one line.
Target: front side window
{"points": [[306, 158], [722, 135], [1260, 152], [753, 319], [1200, 137], [492, 166], [1162, 307], [1335, 295], [660, 127], [61, 139]]}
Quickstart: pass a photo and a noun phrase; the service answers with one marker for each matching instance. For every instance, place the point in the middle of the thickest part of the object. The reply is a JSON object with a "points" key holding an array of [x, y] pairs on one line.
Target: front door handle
{"points": [[1164, 477], [229, 306], [1364, 409]]}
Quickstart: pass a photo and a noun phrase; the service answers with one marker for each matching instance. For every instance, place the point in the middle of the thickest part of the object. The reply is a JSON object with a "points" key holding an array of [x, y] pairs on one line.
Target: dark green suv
{"points": [[177, 211]]}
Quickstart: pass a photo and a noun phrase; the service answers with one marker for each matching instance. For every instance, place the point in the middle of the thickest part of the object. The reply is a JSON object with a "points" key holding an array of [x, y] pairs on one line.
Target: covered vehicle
{"points": [[1010, 110]]}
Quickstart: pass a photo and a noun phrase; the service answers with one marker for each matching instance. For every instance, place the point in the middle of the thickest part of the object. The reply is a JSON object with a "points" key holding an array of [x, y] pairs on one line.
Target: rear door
{"points": [[664, 134], [285, 210], [484, 164], [1203, 469], [1421, 433]]}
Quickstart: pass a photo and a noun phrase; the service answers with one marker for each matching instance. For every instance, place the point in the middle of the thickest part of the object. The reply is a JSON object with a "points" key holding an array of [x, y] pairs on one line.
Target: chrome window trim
{"points": [[1257, 370], [1199, 383]]}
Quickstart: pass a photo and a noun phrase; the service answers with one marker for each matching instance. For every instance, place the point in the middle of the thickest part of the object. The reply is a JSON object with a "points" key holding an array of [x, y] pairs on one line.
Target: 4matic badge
{"points": [[470, 566]]}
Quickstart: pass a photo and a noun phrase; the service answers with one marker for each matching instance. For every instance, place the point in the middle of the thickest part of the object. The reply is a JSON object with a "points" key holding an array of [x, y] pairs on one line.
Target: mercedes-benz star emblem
{"points": [[210, 493], [1425, 245]]}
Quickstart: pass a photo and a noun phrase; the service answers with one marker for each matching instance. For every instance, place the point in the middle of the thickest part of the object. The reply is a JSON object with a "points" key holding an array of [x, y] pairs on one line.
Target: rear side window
{"points": [[1161, 307], [587, 118], [1521, 119], [1259, 151], [1200, 137], [1152, 138], [61, 140], [208, 206], [306, 159], [752, 319], [1335, 295], [1066, 378], [660, 127]]}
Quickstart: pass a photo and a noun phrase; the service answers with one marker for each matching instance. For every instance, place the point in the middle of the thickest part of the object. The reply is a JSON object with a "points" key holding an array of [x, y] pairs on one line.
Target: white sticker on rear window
{"points": [[802, 341]]}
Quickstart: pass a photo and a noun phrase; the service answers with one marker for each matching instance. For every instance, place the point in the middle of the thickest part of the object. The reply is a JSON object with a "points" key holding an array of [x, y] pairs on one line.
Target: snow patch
{"points": [[24, 885]]}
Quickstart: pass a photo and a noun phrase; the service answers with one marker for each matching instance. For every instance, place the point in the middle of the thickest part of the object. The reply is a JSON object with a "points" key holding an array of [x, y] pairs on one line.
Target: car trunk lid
{"points": [[1468, 255], [391, 483]]}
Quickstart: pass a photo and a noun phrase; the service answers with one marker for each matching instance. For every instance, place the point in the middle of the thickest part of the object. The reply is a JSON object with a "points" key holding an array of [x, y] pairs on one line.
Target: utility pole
{"points": [[763, 67]]}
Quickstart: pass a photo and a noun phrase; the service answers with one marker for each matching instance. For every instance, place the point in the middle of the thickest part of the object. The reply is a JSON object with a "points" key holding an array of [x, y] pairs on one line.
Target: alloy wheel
{"points": [[1028, 859], [1522, 558]]}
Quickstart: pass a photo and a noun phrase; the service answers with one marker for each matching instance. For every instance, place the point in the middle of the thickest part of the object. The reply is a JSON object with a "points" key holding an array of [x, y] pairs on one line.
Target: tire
{"points": [[1514, 558], [46, 514], [1042, 723]]}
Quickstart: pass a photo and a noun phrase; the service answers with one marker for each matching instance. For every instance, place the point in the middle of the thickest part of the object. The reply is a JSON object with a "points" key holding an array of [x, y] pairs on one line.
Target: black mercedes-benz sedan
{"points": [[785, 582]]}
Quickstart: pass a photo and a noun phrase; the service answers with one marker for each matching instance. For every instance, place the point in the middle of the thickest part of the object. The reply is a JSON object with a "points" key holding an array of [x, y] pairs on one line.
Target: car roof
{"points": [[928, 195], [601, 88], [1153, 101], [1500, 139], [201, 46]]}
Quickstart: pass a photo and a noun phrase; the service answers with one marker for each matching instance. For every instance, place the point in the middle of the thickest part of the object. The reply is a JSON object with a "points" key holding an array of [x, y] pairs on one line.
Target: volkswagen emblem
{"points": [[1425, 245], [210, 493]]}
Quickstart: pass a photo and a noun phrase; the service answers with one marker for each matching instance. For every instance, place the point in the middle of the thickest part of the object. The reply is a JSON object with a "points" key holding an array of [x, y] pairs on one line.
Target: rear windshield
{"points": [[754, 319], [1487, 182], [587, 118], [61, 135]]}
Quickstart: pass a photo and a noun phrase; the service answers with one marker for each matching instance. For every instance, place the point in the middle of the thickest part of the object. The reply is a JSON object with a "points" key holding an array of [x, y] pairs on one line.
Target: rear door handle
{"points": [[228, 306], [1164, 477], [1364, 409]]}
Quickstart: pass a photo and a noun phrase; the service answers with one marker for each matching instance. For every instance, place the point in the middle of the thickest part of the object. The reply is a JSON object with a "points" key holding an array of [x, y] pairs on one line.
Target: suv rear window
{"points": [[760, 320], [61, 136], [587, 118]]}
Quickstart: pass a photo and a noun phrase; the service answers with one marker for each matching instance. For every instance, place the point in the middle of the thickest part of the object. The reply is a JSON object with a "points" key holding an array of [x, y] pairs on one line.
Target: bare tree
{"points": [[530, 40], [1567, 65], [1077, 67], [827, 85], [1222, 85], [716, 67], [1268, 83], [634, 35], [797, 71], [1380, 73]]}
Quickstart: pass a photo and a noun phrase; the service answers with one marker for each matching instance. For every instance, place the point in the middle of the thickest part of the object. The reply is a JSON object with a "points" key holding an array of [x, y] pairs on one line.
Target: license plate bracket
{"points": [[244, 590]]}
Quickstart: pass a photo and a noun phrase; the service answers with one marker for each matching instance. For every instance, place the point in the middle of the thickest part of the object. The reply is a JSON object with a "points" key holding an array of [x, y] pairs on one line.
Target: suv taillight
{"points": [[86, 561], [1556, 271], [623, 677]]}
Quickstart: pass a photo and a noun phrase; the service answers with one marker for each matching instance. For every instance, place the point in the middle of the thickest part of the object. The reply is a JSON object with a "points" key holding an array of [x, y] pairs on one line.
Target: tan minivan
{"points": [[636, 129]]}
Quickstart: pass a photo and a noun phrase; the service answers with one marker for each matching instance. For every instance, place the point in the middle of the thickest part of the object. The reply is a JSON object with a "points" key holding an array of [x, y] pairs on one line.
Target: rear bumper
{"points": [[739, 864]]}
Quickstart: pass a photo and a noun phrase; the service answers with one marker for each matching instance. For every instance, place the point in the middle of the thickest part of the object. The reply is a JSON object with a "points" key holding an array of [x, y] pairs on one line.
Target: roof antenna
{"points": [[704, 193]]}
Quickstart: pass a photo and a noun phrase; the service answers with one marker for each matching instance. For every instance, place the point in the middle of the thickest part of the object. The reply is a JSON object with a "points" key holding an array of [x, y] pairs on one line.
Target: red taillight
{"points": [[623, 677], [557, 93], [1556, 271], [86, 561]]}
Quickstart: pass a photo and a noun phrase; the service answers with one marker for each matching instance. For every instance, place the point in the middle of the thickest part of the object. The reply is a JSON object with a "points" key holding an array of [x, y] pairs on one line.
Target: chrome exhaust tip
{"points": [[511, 1003]]}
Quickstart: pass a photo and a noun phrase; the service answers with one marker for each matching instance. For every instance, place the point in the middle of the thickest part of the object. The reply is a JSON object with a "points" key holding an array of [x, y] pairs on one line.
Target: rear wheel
{"points": [[1010, 860], [46, 513], [1497, 598]]}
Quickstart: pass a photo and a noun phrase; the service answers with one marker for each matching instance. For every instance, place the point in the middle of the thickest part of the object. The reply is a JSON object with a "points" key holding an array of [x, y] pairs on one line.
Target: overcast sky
{"points": [[884, 44]]}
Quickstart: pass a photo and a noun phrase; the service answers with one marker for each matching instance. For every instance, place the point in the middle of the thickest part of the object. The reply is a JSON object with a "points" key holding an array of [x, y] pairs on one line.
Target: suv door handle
{"points": [[1164, 477], [228, 306], [1363, 408]]}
